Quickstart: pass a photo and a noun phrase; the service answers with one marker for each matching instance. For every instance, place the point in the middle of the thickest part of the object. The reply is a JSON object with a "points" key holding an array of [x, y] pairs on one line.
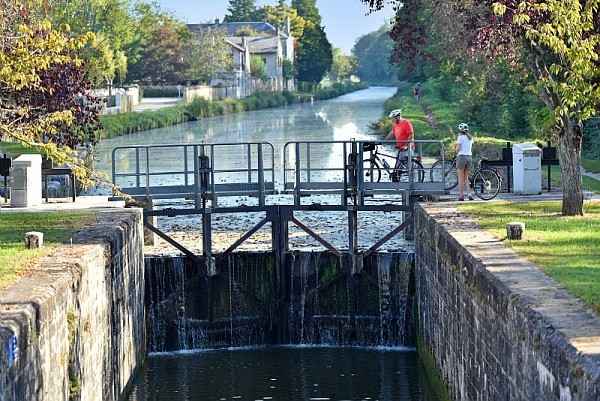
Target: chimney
{"points": [[287, 26]]}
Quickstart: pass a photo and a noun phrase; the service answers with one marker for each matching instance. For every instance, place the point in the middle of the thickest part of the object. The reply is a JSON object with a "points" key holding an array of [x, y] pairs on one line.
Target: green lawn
{"points": [[57, 227], [565, 248]]}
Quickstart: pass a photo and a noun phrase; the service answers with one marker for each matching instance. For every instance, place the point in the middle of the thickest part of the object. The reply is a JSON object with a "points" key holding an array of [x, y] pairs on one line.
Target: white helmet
{"points": [[462, 127], [396, 113]]}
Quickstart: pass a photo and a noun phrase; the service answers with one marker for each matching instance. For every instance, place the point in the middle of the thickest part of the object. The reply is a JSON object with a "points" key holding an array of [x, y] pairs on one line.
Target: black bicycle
{"points": [[486, 182], [376, 163]]}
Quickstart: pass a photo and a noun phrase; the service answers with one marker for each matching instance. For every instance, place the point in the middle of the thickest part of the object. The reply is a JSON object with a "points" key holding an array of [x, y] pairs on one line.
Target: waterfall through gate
{"points": [[247, 302]]}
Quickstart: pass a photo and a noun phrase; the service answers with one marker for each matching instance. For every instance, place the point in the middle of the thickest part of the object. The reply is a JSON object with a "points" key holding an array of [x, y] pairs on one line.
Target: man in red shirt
{"points": [[402, 131]]}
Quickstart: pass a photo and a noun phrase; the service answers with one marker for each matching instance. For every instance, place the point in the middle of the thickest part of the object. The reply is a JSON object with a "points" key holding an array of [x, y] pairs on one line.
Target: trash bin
{"points": [[26, 181], [527, 169]]}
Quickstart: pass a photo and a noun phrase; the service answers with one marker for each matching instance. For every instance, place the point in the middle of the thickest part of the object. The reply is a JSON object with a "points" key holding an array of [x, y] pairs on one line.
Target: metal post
{"points": [[207, 233], [297, 178], [261, 177]]}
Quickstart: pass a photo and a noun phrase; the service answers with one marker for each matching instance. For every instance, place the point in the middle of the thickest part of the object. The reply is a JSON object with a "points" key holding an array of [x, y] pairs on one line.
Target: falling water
{"points": [[239, 306]]}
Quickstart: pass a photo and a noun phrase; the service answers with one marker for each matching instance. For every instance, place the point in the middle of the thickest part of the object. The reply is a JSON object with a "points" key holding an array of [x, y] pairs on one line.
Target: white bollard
{"points": [[34, 240], [515, 230]]}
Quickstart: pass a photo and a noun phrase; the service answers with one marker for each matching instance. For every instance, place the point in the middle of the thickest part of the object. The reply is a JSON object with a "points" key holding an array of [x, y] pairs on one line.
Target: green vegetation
{"points": [[14, 258], [435, 118], [564, 247], [591, 165]]}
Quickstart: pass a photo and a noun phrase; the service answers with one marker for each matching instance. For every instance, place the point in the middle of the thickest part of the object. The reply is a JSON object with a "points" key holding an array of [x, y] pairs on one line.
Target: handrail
{"points": [[302, 174], [204, 172], [200, 171]]}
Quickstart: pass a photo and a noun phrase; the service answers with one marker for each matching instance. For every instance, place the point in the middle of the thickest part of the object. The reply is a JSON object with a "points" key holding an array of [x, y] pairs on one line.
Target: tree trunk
{"points": [[569, 153]]}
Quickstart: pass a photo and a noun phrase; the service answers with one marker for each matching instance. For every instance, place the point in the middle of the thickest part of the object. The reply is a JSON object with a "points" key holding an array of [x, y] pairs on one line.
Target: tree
{"points": [[240, 11], [161, 60], [557, 41], [561, 40], [43, 88], [372, 53], [111, 22], [308, 10], [257, 67], [314, 54], [342, 66], [152, 23], [276, 16], [208, 56]]}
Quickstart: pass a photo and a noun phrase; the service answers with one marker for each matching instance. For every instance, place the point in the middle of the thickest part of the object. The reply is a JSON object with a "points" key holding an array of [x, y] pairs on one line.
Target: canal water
{"points": [[284, 373], [338, 119]]}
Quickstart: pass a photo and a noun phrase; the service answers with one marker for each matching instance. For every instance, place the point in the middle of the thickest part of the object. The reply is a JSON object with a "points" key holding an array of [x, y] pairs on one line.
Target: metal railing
{"points": [[205, 172], [344, 172], [202, 172]]}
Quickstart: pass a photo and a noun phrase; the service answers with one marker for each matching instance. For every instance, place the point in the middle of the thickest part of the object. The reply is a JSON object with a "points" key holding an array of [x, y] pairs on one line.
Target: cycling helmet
{"points": [[462, 127], [396, 113]]}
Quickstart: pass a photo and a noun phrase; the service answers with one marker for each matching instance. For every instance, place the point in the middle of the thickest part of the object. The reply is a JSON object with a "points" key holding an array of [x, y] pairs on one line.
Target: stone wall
{"points": [[75, 327], [498, 328]]}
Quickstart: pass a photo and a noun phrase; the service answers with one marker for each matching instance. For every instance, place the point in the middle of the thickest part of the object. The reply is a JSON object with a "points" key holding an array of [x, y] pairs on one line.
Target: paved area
{"points": [[156, 103]]}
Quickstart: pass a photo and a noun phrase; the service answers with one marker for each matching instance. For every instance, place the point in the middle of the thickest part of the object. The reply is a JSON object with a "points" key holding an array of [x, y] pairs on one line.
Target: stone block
{"points": [[515, 230], [34, 239]]}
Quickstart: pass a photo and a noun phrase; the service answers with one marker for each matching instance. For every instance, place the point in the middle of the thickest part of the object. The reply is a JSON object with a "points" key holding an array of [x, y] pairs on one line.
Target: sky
{"points": [[344, 20]]}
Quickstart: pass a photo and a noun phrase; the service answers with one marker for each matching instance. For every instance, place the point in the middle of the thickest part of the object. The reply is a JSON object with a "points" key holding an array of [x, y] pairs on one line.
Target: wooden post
{"points": [[515, 230]]}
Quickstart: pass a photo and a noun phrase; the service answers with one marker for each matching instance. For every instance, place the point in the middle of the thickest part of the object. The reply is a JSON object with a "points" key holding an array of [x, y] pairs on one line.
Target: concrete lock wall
{"points": [[498, 328], [75, 327]]}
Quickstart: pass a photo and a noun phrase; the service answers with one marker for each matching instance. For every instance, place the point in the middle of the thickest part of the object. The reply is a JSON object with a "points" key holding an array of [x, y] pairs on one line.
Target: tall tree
{"points": [[308, 10], [241, 11], [161, 60], [558, 41], [314, 53], [372, 52], [111, 22], [43, 87], [276, 16]]}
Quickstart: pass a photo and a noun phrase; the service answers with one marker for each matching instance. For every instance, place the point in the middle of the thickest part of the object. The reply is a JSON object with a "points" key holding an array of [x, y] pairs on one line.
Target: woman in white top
{"points": [[464, 160]]}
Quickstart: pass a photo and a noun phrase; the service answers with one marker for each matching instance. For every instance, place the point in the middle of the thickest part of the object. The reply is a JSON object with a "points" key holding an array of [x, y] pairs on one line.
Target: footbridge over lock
{"points": [[298, 173], [303, 177]]}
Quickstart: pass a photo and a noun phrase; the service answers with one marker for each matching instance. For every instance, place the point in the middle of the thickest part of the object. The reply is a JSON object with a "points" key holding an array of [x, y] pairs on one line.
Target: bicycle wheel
{"points": [[417, 172], [372, 171], [436, 173], [486, 183]]}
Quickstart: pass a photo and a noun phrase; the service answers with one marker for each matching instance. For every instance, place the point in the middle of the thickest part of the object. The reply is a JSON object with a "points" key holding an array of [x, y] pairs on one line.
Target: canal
{"points": [[308, 371]]}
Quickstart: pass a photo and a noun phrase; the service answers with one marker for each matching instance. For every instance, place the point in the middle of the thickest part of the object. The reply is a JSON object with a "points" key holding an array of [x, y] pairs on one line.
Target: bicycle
{"points": [[486, 182], [376, 162]]}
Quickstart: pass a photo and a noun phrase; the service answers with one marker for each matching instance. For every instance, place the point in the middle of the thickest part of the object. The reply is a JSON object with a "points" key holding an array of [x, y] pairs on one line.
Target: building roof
{"points": [[256, 45]]}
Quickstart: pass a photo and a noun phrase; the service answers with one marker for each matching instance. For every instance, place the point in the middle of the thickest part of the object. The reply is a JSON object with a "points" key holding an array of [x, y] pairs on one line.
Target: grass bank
{"points": [[435, 119], [15, 259], [566, 248], [122, 124]]}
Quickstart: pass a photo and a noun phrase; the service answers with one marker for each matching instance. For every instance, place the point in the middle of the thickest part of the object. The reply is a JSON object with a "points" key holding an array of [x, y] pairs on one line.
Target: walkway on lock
{"points": [[205, 173]]}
